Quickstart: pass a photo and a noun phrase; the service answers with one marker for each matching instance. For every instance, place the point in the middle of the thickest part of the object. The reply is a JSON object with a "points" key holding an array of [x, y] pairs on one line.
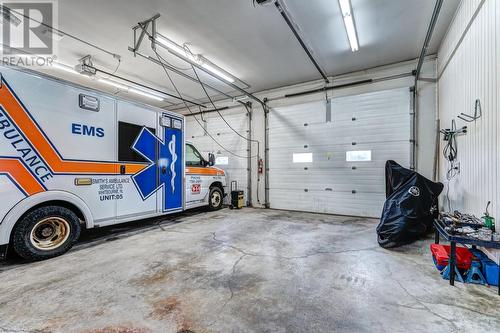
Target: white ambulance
{"points": [[72, 158]]}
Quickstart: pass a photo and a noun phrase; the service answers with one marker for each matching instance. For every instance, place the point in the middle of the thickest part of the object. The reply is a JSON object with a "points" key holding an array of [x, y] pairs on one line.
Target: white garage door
{"points": [[235, 167], [337, 167]]}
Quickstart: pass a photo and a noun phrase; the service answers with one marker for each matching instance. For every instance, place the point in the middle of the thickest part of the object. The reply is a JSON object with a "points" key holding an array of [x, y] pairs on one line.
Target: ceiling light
{"points": [[174, 47], [63, 67], [145, 94], [200, 60], [130, 89], [217, 72], [114, 84], [345, 7]]}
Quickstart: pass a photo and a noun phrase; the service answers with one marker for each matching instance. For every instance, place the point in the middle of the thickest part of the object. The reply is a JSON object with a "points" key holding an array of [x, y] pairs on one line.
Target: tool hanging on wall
{"points": [[478, 112], [450, 151]]}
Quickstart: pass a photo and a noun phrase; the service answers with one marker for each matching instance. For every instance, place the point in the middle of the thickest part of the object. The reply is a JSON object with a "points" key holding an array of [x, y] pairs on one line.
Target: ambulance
{"points": [[73, 158]]}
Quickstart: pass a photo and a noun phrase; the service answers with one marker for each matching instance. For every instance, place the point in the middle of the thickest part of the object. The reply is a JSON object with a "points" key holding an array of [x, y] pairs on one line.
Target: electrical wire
{"points": [[160, 58], [450, 153], [227, 123], [222, 117], [450, 150]]}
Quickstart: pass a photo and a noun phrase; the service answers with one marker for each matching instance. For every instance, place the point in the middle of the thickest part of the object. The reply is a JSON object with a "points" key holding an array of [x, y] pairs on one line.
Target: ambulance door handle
{"points": [[163, 170], [122, 169]]}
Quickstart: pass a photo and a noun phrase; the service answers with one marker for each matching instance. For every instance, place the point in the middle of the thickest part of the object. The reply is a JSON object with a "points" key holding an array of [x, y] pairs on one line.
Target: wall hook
{"points": [[477, 113]]}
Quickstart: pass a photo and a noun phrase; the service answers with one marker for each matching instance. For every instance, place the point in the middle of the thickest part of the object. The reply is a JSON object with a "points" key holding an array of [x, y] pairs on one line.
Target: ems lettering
{"points": [[81, 129]]}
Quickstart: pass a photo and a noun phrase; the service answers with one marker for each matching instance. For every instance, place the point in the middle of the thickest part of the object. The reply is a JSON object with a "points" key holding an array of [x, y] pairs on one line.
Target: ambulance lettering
{"points": [[22, 149], [81, 129]]}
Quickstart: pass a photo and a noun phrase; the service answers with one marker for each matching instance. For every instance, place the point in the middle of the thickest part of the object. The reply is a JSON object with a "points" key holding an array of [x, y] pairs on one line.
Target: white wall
{"points": [[470, 73], [468, 67]]}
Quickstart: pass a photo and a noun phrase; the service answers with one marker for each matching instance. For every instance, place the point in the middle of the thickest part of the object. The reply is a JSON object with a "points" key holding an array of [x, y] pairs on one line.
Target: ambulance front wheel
{"points": [[46, 232], [215, 198]]}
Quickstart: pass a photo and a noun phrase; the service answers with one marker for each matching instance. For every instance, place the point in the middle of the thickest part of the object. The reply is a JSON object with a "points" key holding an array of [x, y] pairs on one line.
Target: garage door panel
{"points": [[234, 167], [238, 122], [335, 156], [231, 142], [354, 121], [365, 204], [319, 134], [381, 125], [232, 162], [193, 128], [382, 104], [297, 115], [324, 180]]}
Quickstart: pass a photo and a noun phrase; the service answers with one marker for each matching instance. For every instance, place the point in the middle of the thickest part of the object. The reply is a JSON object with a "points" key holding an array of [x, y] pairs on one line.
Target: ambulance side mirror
{"points": [[211, 159]]}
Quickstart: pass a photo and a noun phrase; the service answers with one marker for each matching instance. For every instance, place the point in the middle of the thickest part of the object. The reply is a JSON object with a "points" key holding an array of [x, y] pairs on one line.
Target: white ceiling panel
{"points": [[252, 43]]}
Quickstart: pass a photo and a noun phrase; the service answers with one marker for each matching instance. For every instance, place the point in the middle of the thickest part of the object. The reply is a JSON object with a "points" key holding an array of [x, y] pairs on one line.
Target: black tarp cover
{"points": [[407, 209]]}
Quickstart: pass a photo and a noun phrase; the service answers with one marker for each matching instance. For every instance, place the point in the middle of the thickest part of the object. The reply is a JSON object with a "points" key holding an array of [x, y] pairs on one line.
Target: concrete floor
{"points": [[241, 271]]}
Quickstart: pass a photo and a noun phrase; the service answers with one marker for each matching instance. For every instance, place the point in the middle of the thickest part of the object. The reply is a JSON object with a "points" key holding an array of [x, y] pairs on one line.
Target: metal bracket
{"points": [[477, 113], [144, 25]]}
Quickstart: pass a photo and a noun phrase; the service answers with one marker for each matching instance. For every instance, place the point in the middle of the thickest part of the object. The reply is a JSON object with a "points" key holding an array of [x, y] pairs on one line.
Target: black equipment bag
{"points": [[410, 206]]}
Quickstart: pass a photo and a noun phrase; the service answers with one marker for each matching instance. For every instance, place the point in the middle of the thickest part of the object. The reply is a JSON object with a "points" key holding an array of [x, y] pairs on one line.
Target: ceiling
{"points": [[252, 43]]}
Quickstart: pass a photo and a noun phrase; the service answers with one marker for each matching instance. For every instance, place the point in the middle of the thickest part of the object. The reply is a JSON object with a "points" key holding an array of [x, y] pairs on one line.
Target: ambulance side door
{"points": [[131, 121]]}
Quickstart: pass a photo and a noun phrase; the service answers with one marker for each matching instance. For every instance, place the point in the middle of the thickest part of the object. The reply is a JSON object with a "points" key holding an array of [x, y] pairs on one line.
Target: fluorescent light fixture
{"points": [[175, 48], [114, 84], [345, 8], [217, 72], [65, 68], [130, 89], [145, 94]]}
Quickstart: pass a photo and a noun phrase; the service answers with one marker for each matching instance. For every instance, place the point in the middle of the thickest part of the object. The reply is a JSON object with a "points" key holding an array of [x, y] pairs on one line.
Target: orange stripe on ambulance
{"points": [[23, 149]]}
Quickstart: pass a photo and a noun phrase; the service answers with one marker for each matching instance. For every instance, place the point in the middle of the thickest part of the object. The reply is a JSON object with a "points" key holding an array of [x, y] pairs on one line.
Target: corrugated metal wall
{"points": [[468, 67]]}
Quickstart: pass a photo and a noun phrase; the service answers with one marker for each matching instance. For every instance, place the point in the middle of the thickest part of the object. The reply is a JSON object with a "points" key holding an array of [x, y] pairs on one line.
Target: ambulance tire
{"points": [[215, 198], [46, 232]]}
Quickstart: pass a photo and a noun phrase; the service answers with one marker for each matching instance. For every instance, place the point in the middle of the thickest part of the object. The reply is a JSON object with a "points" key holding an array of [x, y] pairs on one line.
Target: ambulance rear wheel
{"points": [[215, 198], [46, 232]]}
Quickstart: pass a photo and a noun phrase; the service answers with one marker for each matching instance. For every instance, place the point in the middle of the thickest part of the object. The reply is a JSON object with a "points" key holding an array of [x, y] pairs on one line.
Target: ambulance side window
{"points": [[193, 157], [127, 133]]}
